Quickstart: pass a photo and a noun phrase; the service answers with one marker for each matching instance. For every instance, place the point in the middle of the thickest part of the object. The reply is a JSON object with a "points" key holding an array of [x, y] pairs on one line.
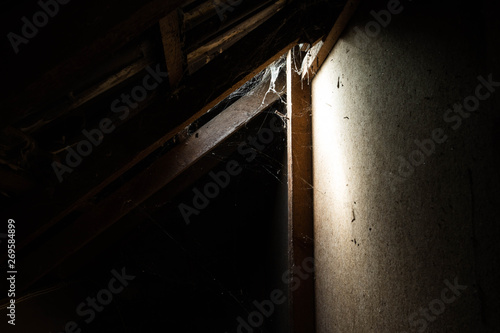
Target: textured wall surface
{"points": [[400, 220]]}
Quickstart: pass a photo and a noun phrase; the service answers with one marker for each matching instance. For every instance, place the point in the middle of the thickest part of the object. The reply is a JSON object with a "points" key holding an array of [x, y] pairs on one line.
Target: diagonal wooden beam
{"points": [[161, 172], [206, 53]]}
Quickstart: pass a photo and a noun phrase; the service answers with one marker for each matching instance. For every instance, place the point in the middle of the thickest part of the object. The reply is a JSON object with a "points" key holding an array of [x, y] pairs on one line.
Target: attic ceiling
{"points": [[136, 80]]}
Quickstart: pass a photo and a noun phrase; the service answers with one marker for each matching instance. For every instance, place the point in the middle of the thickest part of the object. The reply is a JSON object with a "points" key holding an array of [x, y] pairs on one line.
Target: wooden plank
{"points": [[332, 37], [300, 195], [161, 172], [171, 35]]}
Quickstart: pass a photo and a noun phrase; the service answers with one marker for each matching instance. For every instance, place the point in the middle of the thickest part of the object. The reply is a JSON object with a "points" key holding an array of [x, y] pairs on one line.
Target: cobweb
{"points": [[273, 71]]}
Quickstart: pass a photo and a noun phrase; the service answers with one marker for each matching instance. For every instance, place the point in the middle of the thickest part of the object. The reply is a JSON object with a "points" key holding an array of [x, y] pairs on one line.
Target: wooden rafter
{"points": [[206, 53]]}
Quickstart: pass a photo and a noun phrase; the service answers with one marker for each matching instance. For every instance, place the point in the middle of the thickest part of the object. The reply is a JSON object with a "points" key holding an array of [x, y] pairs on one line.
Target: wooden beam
{"points": [[161, 172], [300, 195], [201, 56], [332, 38], [171, 35]]}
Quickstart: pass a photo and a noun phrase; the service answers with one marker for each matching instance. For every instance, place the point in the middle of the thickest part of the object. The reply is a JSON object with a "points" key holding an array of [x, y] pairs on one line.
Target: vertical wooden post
{"points": [[171, 35], [300, 198]]}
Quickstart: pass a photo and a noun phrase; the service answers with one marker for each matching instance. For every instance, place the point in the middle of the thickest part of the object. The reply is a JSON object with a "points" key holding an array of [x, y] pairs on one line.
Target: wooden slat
{"points": [[300, 195], [171, 34], [147, 183], [332, 38]]}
